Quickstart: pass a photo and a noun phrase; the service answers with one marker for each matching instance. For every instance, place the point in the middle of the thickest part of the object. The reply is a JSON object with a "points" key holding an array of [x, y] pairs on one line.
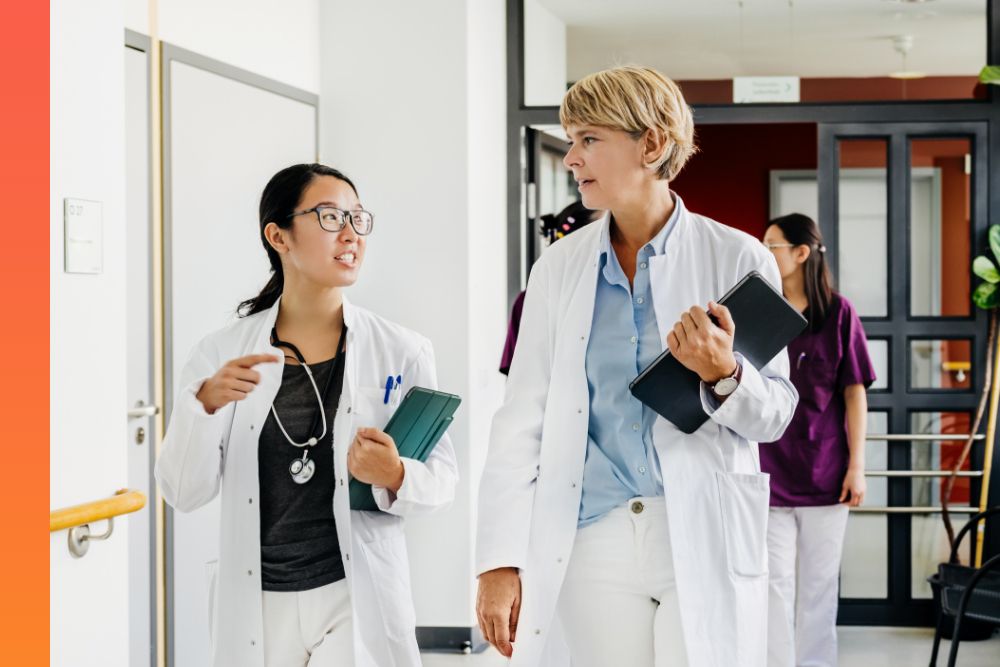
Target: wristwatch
{"points": [[728, 385]]}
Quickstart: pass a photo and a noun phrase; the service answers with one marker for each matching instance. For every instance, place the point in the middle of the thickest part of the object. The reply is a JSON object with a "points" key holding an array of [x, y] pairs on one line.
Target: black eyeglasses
{"points": [[334, 219]]}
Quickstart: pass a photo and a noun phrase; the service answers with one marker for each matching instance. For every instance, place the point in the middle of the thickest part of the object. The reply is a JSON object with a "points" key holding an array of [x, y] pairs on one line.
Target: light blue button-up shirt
{"points": [[621, 462]]}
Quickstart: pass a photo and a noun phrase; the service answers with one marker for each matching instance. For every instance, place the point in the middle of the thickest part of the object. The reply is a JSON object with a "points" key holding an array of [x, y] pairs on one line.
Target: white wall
{"points": [[89, 620], [421, 131], [279, 40], [544, 56]]}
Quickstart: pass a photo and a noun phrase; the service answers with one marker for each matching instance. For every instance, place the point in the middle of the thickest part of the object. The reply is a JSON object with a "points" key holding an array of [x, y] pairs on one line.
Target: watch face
{"points": [[726, 386]]}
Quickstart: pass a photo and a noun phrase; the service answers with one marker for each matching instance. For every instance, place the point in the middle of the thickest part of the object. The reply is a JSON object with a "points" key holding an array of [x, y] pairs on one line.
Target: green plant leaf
{"points": [[990, 74], [994, 238], [985, 296], [985, 269]]}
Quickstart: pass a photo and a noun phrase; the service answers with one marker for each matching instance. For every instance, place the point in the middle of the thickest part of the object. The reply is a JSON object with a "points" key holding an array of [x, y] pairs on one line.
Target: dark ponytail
{"points": [[279, 200], [802, 230]]}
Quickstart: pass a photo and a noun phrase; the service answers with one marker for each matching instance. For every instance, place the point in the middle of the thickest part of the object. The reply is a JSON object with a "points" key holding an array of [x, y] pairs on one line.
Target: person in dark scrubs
{"points": [[551, 227], [817, 468]]}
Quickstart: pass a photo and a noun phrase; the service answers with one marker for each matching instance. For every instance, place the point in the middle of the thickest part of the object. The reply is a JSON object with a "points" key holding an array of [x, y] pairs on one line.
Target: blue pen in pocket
{"points": [[798, 364], [390, 384]]}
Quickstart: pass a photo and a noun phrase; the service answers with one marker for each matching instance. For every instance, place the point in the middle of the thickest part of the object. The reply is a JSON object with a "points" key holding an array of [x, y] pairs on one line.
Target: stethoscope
{"points": [[303, 468]]}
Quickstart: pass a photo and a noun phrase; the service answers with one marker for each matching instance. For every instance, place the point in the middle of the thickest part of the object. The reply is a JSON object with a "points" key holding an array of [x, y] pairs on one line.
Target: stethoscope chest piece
{"points": [[302, 469]]}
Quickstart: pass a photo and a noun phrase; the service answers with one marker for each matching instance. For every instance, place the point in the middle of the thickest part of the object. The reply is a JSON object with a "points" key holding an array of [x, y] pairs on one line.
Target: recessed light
{"points": [[907, 75]]}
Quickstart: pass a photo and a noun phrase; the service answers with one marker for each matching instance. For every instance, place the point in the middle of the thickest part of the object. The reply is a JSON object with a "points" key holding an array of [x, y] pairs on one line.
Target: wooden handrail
{"points": [[125, 501]]}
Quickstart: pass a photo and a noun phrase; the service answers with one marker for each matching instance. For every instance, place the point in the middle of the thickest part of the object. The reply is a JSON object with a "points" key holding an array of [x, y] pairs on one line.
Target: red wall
{"points": [[729, 178], [852, 89]]}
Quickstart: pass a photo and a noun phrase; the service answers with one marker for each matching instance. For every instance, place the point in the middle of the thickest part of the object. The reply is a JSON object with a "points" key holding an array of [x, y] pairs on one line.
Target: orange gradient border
{"points": [[24, 333]]}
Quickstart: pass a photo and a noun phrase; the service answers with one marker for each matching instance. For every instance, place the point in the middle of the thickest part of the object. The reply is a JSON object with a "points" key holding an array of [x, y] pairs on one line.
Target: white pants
{"points": [[311, 628], [804, 545], [618, 604]]}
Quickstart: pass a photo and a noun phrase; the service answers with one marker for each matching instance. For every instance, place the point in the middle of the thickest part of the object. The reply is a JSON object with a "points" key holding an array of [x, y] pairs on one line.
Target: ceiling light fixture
{"points": [[902, 44]]}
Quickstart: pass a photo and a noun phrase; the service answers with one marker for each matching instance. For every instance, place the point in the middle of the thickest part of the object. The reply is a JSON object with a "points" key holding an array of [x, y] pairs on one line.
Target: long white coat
{"points": [[716, 495], [203, 453]]}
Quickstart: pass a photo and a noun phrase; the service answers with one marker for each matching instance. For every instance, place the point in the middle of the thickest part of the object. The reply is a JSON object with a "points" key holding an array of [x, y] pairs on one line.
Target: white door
{"points": [[228, 135], [139, 365]]}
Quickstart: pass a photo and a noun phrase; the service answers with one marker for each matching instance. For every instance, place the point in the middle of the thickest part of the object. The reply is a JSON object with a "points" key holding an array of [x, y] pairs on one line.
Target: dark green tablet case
{"points": [[416, 427]]}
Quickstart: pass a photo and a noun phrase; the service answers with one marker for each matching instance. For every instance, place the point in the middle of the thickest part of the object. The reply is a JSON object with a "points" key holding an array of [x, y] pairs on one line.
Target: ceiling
{"points": [[716, 39]]}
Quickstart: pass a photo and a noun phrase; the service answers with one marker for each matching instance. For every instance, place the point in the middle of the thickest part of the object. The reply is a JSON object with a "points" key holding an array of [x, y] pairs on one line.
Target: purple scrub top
{"points": [[807, 465]]}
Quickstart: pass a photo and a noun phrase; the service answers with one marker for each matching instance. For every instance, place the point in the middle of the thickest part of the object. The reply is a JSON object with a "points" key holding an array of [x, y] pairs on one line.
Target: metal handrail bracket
{"points": [[79, 517]]}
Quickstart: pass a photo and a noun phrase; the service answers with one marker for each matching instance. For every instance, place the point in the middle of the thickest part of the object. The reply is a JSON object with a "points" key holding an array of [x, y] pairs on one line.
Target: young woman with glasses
{"points": [[280, 410], [817, 467]]}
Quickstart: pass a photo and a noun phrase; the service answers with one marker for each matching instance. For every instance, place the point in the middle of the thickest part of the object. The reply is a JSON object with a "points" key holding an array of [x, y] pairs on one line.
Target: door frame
{"points": [[142, 43], [899, 327]]}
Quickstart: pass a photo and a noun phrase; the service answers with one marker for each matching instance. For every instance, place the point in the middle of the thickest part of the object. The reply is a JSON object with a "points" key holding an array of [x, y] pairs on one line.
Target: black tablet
{"points": [[765, 324]]}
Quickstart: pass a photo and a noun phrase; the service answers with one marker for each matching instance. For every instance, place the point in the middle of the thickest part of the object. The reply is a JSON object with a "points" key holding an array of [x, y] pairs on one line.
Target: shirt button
{"points": [[640, 300], [633, 340], [250, 500], [642, 470], [249, 573], [253, 643], [635, 427], [642, 265], [251, 427], [538, 631], [637, 507], [341, 481], [347, 556]]}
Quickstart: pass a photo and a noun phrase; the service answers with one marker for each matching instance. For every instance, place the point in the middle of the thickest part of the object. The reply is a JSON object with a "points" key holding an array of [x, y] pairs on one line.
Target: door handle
{"points": [[141, 410]]}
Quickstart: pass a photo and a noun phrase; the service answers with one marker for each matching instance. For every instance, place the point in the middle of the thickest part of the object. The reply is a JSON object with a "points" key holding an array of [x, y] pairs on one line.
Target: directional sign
{"points": [[750, 89]]}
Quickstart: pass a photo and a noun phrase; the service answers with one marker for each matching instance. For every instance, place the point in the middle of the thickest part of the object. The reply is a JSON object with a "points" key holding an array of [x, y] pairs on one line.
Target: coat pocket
{"points": [[744, 500], [370, 408], [211, 578], [389, 568]]}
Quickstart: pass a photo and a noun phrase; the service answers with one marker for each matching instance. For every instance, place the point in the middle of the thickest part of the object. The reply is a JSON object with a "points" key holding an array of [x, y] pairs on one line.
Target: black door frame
{"points": [[899, 327], [836, 117], [537, 143]]}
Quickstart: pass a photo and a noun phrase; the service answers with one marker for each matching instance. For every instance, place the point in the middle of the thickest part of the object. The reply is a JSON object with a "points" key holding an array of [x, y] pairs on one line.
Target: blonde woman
{"points": [[600, 522]]}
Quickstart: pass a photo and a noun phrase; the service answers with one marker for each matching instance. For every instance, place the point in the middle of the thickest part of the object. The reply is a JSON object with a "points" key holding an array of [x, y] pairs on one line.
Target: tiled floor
{"points": [[859, 647]]}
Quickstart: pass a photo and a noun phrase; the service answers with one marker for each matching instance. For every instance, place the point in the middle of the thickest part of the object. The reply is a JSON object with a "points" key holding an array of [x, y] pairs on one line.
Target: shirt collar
{"points": [[656, 246]]}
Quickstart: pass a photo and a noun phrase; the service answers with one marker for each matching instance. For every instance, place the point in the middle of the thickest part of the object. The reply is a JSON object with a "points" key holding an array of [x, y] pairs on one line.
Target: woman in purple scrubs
{"points": [[817, 468]]}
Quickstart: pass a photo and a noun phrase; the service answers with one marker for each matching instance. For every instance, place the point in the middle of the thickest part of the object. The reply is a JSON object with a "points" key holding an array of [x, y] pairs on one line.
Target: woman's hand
{"points": [[498, 606], [701, 345], [232, 382], [854, 487], [374, 459]]}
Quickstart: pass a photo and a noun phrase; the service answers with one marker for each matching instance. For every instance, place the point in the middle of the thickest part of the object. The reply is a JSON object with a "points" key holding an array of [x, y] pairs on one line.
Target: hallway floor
{"points": [[867, 647]]}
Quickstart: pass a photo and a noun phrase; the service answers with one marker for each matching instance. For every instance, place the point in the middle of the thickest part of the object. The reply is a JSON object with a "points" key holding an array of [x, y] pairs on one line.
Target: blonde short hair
{"points": [[635, 99]]}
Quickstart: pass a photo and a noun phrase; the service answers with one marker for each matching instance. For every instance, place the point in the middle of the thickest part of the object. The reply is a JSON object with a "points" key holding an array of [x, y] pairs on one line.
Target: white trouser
{"points": [[804, 545], [618, 604], [311, 628]]}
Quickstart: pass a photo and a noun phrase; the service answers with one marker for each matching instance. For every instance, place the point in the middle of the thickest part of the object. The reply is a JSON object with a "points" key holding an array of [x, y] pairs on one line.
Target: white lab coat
{"points": [[716, 495], [203, 453]]}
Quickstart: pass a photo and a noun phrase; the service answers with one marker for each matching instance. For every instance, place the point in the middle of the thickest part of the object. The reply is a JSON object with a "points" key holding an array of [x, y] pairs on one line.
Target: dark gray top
{"points": [[299, 549]]}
